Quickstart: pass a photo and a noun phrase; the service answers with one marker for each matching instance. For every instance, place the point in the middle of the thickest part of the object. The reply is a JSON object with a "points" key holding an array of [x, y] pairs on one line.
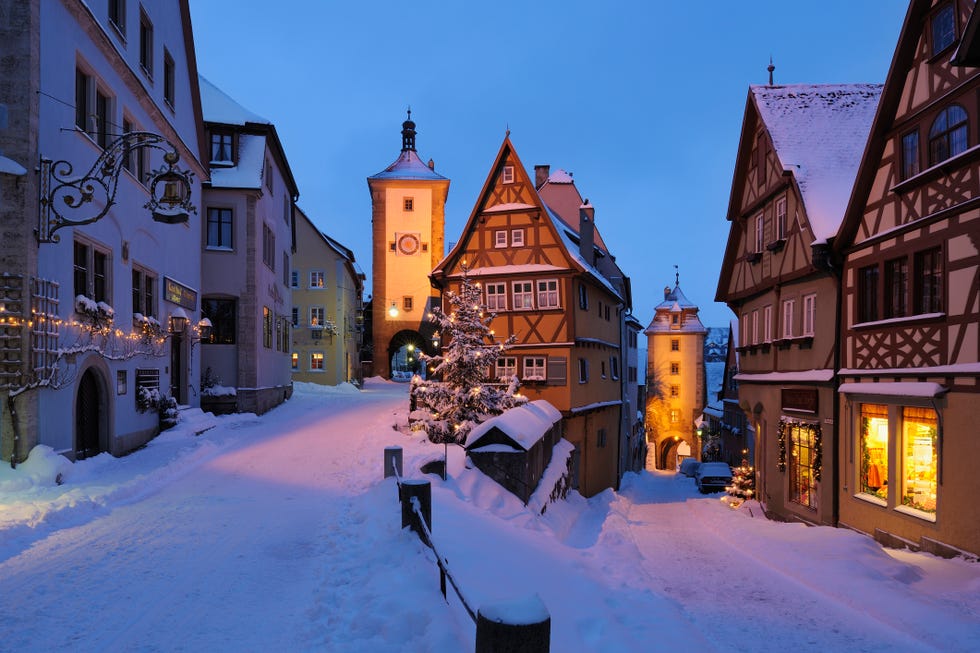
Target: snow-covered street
{"points": [[278, 533]]}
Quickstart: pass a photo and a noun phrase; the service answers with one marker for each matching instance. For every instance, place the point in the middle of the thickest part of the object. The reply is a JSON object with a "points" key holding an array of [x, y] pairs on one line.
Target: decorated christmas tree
{"points": [[743, 484], [459, 396]]}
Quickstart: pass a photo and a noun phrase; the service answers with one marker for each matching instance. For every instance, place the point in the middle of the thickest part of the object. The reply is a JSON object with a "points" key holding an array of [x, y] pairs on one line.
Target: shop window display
{"points": [[919, 430], [874, 450]]}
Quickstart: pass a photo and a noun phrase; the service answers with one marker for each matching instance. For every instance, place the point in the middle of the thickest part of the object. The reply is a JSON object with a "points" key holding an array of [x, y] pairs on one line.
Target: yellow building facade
{"points": [[408, 201], [675, 395]]}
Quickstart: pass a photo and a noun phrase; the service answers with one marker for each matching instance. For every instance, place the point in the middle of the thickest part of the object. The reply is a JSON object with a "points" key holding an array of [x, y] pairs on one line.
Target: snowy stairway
{"points": [[196, 419]]}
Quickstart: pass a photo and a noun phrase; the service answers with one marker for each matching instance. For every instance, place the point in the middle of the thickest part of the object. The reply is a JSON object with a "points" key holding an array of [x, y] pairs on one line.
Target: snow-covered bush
{"points": [[100, 313]]}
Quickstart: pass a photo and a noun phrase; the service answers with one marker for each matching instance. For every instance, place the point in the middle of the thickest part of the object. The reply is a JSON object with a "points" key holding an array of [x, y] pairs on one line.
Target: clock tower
{"points": [[408, 219]]}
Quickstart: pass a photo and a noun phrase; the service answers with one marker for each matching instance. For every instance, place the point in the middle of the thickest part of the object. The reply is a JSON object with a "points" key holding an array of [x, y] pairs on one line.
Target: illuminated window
{"points": [[919, 460], [316, 361], [675, 344], [548, 294], [316, 279], [675, 416], [675, 368], [266, 327], [294, 361], [802, 472], [874, 450]]}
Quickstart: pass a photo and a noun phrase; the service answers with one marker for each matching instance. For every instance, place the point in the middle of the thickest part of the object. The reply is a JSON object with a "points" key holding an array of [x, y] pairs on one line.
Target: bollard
{"points": [[422, 490], [521, 626], [393, 461]]}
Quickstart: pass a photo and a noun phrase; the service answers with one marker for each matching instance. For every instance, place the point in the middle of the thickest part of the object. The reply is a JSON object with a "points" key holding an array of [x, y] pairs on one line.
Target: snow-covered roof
{"points": [[248, 172], [526, 268], [803, 376], [510, 206], [560, 177], [524, 425], [218, 106], [819, 132], [568, 238], [675, 300], [896, 389], [408, 165]]}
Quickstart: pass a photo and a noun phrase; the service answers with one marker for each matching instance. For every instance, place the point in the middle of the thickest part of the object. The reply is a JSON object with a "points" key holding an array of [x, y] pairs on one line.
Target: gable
{"points": [[508, 208]]}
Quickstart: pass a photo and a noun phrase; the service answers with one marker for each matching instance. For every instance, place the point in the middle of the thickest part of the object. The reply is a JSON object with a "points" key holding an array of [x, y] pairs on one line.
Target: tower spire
{"points": [[677, 276], [770, 68], [408, 133]]}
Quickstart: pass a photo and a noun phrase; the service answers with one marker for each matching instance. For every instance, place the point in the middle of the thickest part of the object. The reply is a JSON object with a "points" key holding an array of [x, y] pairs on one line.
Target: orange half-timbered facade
{"points": [[910, 323], [799, 150], [540, 275]]}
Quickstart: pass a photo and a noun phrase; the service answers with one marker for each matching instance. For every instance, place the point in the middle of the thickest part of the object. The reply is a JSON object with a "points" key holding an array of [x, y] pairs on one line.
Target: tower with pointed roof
{"points": [[675, 379], [408, 202]]}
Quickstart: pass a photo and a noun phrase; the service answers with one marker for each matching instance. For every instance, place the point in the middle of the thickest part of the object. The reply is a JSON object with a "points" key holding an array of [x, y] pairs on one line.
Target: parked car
{"points": [[689, 466], [713, 477]]}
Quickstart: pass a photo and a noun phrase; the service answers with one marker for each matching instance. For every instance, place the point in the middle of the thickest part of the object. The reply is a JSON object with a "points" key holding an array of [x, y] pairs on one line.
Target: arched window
{"points": [[947, 136]]}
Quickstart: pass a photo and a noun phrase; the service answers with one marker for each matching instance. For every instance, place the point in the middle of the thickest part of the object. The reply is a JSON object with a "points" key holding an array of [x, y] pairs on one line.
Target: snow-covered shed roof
{"points": [[819, 132], [218, 106], [408, 165], [525, 425]]}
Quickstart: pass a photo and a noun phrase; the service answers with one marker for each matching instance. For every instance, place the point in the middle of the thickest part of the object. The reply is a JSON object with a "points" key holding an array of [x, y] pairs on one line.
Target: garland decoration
{"points": [[781, 435], [817, 451]]}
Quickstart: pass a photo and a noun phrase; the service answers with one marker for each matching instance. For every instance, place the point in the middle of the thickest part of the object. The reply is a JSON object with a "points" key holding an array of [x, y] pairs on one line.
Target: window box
{"points": [[776, 245], [754, 257]]}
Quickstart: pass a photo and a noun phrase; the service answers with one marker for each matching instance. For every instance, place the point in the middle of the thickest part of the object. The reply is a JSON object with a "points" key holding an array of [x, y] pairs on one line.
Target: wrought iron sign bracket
{"points": [[169, 186]]}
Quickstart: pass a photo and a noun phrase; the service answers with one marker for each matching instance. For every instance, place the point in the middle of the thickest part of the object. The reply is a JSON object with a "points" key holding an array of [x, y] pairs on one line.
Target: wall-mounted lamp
{"points": [[61, 189], [393, 311], [204, 328], [178, 320]]}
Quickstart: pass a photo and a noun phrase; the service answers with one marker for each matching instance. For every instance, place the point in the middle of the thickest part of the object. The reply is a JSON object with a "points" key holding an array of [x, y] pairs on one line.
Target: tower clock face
{"points": [[408, 244]]}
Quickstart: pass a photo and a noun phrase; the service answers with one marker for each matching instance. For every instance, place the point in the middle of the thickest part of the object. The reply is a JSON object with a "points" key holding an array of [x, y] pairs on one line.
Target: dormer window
{"points": [[943, 26], [222, 147]]}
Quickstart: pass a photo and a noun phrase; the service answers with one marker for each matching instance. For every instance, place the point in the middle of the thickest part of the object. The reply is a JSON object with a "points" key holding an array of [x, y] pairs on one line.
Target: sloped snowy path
{"points": [[277, 533], [253, 549]]}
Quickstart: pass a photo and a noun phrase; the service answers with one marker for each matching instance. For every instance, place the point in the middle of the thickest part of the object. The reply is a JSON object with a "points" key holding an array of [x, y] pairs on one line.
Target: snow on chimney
{"points": [[586, 232], [666, 292], [541, 175]]}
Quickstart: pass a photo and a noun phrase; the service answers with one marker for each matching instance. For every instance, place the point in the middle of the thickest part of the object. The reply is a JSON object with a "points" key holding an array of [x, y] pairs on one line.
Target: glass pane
{"points": [[919, 426], [874, 450]]}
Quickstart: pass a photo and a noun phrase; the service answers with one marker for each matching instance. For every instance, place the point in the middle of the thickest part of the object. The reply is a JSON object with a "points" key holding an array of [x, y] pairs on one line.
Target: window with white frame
{"points": [[316, 279], [535, 368], [317, 315], [755, 327], [789, 306], [517, 238], [523, 295], [144, 292], [767, 324], [500, 239], [781, 218], [294, 279], [583, 370], [505, 367], [92, 271], [508, 175], [809, 314], [759, 232], [548, 294], [497, 297], [316, 361]]}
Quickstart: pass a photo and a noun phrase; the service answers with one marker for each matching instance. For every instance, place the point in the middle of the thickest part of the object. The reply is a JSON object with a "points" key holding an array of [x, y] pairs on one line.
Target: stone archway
{"points": [[668, 454], [403, 351]]}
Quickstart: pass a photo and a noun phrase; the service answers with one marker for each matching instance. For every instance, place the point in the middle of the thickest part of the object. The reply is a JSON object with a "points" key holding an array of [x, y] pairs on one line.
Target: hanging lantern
{"points": [[172, 206]]}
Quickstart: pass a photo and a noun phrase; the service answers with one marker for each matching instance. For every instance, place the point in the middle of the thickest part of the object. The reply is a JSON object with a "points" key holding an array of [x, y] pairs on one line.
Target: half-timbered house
{"points": [[551, 282], [799, 150], [911, 296]]}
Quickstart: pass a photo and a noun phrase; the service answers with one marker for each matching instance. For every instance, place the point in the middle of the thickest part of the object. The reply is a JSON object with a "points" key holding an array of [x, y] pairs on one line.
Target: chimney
{"points": [[541, 175], [432, 164], [586, 232], [666, 292]]}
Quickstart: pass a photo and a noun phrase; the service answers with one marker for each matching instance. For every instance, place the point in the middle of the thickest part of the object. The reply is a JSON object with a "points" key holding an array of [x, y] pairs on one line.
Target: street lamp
{"points": [[178, 320], [170, 187], [393, 311]]}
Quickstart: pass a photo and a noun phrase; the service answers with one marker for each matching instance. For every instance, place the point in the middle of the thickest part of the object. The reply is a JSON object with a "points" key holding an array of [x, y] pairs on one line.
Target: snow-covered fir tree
{"points": [[459, 396]]}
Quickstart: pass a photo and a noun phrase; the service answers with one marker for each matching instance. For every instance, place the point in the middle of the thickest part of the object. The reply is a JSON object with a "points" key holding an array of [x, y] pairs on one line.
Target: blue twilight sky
{"points": [[642, 101]]}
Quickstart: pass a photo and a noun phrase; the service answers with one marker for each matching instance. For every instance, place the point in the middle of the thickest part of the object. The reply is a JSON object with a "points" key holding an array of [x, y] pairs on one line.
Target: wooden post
{"points": [[521, 626], [393, 461], [422, 490]]}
